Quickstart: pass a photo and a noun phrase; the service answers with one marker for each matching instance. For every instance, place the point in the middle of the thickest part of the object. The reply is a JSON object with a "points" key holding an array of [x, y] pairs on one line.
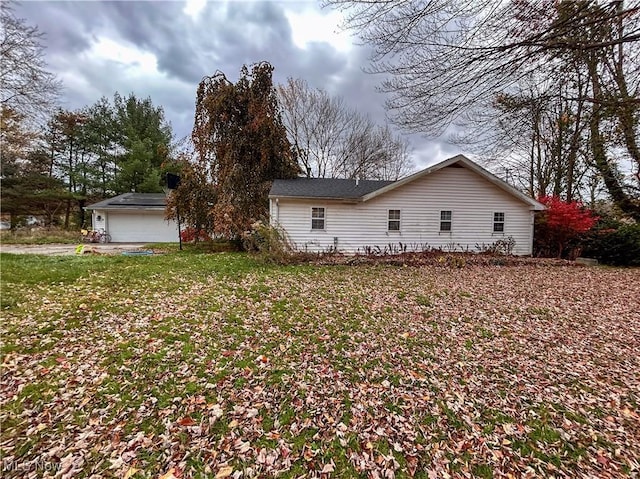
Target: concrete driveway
{"points": [[70, 249]]}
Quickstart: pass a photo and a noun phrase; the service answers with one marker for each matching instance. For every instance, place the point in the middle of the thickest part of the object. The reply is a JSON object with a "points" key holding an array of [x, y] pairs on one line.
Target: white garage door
{"points": [[136, 227]]}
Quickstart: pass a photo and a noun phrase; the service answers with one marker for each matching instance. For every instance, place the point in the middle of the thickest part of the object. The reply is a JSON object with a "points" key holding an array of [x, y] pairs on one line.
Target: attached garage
{"points": [[135, 218]]}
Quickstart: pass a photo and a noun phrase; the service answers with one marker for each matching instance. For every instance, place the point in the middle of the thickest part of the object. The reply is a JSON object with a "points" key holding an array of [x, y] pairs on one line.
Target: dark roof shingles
{"points": [[139, 199], [325, 188], [132, 200]]}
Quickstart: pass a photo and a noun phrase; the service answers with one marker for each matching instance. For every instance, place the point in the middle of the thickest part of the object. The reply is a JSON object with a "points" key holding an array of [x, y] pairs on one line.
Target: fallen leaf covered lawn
{"points": [[216, 366]]}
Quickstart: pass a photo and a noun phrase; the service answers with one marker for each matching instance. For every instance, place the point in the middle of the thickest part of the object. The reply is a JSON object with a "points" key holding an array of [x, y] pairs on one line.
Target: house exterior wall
{"points": [[139, 226], [99, 219], [353, 227]]}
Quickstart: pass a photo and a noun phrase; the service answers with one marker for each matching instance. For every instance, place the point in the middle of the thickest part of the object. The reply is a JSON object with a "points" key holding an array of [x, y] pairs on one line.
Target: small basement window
{"points": [[445, 221], [498, 222], [394, 220], [317, 218]]}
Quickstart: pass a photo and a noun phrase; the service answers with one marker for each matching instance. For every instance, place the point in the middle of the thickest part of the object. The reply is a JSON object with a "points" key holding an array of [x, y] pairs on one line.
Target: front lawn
{"points": [[194, 365], [39, 236]]}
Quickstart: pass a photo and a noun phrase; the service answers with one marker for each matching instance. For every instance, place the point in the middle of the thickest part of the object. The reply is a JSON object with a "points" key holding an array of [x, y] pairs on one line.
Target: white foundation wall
{"points": [[355, 227]]}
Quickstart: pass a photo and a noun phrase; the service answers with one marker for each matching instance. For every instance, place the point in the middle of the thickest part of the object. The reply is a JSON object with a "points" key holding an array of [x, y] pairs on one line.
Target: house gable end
{"points": [[458, 161]]}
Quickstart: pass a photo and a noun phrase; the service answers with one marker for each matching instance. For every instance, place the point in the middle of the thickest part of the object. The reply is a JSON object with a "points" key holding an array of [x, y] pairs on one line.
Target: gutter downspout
{"points": [[533, 223]]}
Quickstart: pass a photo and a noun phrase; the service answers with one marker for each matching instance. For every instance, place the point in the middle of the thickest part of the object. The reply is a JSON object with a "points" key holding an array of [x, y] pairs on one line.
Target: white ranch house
{"points": [[134, 218], [455, 205]]}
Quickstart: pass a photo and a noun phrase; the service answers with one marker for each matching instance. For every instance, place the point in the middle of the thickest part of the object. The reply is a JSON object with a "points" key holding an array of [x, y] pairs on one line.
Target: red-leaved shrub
{"points": [[560, 224], [190, 234]]}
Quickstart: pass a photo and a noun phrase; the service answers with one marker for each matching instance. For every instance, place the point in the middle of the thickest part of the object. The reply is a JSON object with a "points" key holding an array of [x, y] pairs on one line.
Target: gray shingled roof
{"points": [[325, 188], [132, 201], [368, 189]]}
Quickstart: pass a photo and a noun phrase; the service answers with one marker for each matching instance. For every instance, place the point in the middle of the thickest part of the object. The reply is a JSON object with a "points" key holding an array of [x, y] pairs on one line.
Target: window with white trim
{"points": [[498, 222], [445, 221], [317, 218], [394, 220]]}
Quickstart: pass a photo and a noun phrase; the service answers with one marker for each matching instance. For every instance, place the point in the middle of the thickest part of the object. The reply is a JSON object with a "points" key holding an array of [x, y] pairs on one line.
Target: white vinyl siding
{"points": [[99, 220], [471, 199]]}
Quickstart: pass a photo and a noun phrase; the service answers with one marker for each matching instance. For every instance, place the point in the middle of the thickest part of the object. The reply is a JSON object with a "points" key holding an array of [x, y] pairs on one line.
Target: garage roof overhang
{"points": [[132, 202]]}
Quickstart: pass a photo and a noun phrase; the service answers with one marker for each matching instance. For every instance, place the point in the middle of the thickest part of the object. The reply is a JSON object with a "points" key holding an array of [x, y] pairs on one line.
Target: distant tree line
{"points": [[88, 154], [55, 160]]}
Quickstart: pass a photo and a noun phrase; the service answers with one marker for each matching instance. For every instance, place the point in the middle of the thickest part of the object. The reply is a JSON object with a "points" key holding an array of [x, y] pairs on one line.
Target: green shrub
{"points": [[616, 247]]}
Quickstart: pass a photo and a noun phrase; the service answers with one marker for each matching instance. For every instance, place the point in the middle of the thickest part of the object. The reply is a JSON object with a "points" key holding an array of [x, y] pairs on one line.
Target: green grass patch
{"points": [[39, 236]]}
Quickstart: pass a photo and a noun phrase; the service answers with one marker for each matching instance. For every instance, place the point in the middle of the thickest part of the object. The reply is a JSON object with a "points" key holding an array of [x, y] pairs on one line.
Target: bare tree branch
{"points": [[25, 84], [333, 140]]}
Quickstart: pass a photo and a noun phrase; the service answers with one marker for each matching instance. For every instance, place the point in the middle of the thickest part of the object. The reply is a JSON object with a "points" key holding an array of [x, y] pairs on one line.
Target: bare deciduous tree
{"points": [[536, 136], [333, 140], [25, 84], [455, 62], [445, 57]]}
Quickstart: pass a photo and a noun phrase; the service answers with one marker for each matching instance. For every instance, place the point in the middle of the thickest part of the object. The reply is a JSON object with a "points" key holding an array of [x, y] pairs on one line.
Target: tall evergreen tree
{"points": [[143, 139], [28, 188], [101, 137]]}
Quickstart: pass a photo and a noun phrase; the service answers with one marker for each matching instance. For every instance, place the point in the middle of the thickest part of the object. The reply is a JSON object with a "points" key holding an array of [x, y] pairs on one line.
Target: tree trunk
{"points": [[604, 167], [557, 182], [627, 108], [572, 157], [81, 204], [67, 215]]}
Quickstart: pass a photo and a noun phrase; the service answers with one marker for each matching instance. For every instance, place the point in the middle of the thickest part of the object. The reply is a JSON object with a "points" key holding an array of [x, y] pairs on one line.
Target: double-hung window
{"points": [[498, 222], [445, 221], [394, 220], [317, 218]]}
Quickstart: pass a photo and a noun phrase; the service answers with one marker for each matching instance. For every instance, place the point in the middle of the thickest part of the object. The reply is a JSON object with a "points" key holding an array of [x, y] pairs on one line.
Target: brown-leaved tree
{"points": [[238, 133], [192, 201]]}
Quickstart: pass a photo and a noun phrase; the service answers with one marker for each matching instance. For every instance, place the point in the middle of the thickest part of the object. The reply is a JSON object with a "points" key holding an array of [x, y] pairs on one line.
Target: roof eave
{"points": [[128, 207]]}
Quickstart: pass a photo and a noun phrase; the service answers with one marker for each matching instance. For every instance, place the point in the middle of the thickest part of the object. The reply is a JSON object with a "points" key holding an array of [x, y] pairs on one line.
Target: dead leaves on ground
{"points": [[368, 371]]}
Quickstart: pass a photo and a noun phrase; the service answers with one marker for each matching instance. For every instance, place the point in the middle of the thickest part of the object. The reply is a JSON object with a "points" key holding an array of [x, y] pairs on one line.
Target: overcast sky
{"points": [[162, 49]]}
